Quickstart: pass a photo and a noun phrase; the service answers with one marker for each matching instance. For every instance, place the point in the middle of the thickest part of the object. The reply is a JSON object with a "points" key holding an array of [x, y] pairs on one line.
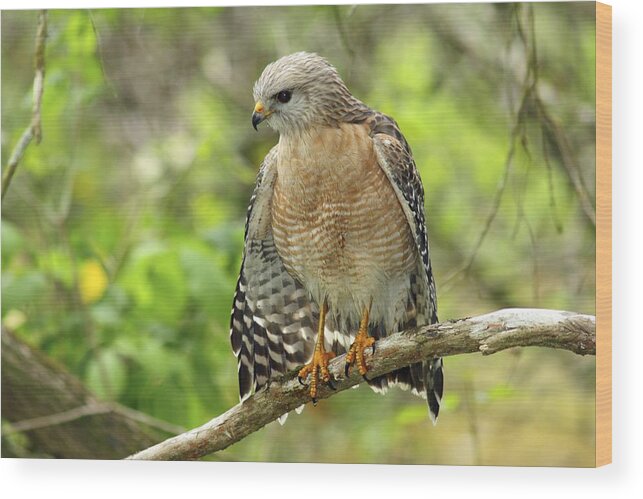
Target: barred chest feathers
{"points": [[339, 227]]}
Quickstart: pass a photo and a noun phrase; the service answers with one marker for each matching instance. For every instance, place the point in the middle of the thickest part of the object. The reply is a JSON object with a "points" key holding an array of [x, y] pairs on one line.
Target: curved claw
{"points": [[365, 378], [314, 401], [373, 348], [301, 381], [331, 385], [347, 366]]}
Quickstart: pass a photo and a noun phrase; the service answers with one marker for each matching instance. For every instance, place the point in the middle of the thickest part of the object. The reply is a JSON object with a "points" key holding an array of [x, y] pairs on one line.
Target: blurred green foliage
{"points": [[122, 231]]}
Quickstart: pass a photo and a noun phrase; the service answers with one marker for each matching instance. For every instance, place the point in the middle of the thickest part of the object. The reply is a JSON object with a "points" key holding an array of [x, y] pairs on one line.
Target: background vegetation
{"points": [[122, 231]]}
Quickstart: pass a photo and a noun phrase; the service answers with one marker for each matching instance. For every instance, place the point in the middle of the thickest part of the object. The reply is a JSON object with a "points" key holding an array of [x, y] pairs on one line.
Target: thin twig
{"points": [[34, 130], [550, 182], [485, 334], [343, 35], [559, 139], [552, 134], [92, 408], [99, 53], [146, 419], [529, 86], [497, 200], [89, 409]]}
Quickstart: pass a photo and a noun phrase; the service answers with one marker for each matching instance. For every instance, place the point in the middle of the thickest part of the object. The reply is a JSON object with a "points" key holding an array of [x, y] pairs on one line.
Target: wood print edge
{"points": [[603, 234]]}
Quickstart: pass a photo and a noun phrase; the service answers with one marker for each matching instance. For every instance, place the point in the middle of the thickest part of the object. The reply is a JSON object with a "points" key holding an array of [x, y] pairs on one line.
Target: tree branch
{"points": [[34, 130], [60, 417], [487, 334]]}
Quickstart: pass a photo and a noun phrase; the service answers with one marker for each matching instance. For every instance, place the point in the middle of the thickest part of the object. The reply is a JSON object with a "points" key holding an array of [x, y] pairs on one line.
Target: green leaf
{"points": [[106, 375], [12, 241], [157, 284], [23, 290]]}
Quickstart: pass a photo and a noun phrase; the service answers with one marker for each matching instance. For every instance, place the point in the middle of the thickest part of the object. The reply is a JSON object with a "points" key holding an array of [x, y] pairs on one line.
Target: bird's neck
{"points": [[323, 151], [297, 142]]}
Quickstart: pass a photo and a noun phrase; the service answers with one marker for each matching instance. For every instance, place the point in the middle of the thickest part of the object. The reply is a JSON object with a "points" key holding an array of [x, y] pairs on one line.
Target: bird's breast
{"points": [[337, 223]]}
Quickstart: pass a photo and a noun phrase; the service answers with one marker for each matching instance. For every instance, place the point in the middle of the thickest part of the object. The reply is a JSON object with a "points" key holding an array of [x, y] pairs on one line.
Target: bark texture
{"points": [[59, 416], [486, 334]]}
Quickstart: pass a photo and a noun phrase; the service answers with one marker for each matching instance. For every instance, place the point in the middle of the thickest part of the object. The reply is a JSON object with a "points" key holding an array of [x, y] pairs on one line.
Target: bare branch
{"points": [[145, 419], [60, 417], [91, 408], [88, 409], [560, 141], [342, 30], [487, 334], [34, 130]]}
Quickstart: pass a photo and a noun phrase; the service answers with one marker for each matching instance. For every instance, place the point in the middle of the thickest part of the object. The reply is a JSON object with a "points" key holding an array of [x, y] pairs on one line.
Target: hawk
{"points": [[336, 249]]}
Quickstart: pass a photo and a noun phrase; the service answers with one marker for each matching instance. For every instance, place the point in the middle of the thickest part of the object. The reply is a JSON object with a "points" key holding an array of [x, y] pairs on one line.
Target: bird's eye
{"points": [[284, 96]]}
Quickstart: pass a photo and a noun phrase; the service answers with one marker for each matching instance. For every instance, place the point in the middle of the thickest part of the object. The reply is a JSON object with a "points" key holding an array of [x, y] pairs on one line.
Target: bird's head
{"points": [[298, 91]]}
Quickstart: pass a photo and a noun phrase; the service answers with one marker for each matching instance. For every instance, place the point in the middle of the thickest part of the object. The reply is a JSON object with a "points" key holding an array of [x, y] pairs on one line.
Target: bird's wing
{"points": [[396, 160], [272, 323]]}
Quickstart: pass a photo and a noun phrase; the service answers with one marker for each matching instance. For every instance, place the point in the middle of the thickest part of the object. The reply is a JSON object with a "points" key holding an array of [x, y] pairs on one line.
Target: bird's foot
{"points": [[317, 368], [355, 354]]}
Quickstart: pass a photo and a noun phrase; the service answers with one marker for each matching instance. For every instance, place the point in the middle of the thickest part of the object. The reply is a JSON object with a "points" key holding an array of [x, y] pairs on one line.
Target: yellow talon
{"points": [[362, 341], [318, 367]]}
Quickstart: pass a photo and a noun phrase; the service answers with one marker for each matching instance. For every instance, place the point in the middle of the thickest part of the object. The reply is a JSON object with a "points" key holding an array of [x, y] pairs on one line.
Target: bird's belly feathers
{"points": [[340, 230]]}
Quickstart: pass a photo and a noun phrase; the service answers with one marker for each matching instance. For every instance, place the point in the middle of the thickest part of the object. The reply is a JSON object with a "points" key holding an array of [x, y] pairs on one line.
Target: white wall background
{"points": [[624, 478]]}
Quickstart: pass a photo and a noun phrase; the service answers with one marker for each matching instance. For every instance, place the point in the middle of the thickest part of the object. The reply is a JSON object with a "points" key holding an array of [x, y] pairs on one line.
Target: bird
{"points": [[336, 249]]}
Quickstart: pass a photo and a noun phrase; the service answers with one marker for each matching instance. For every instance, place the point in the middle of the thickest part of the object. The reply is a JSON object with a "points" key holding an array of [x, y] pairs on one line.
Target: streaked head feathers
{"points": [[300, 90]]}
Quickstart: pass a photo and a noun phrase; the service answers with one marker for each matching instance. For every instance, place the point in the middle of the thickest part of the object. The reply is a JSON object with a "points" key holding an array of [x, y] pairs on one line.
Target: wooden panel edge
{"points": [[603, 234]]}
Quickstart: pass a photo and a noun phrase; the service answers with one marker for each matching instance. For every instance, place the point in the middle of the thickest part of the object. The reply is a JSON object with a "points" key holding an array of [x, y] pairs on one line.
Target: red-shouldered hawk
{"points": [[336, 249]]}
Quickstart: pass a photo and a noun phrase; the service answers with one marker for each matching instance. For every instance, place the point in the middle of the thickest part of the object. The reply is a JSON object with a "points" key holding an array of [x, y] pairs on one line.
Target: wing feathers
{"points": [[272, 320], [395, 158]]}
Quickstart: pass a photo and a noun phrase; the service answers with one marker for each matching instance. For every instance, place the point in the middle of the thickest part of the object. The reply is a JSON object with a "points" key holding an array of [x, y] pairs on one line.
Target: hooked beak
{"points": [[256, 119], [259, 114]]}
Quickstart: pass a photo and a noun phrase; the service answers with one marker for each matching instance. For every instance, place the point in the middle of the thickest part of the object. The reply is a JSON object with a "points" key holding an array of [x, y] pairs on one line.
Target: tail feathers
{"points": [[434, 384], [425, 379]]}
